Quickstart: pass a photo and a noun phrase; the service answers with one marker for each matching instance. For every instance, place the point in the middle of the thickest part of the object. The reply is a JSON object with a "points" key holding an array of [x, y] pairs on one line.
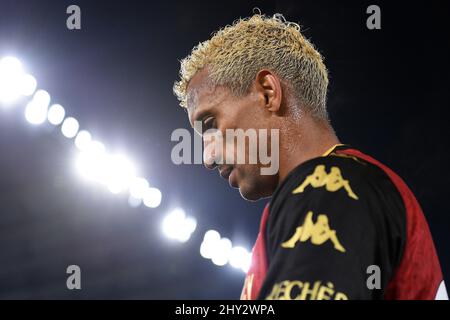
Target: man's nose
{"points": [[209, 154]]}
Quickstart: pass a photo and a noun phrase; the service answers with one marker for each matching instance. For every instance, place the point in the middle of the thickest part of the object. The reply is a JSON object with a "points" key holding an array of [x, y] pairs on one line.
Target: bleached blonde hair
{"points": [[235, 54]]}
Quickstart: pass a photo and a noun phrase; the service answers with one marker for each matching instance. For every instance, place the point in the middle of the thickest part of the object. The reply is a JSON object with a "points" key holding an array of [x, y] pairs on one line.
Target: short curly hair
{"points": [[236, 53]]}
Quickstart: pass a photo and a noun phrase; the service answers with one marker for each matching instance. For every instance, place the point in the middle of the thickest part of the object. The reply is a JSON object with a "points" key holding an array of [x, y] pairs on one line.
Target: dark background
{"points": [[387, 97]]}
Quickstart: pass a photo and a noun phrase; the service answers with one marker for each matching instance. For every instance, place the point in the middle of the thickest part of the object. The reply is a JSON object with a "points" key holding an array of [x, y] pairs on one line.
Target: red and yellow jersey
{"points": [[343, 226]]}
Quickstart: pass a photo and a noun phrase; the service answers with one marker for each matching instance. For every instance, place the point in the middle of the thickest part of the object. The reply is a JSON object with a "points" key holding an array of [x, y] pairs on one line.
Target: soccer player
{"points": [[340, 224]]}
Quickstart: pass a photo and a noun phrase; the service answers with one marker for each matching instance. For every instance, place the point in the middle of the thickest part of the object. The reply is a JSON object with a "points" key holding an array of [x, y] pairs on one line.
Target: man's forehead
{"points": [[191, 100], [192, 104], [199, 82], [200, 89]]}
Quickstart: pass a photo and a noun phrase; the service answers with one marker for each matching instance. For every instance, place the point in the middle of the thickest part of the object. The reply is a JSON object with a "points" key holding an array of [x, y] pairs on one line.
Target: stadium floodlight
{"points": [[240, 258], [115, 171], [70, 127], [11, 73], [13, 81], [35, 113], [83, 140], [56, 114], [152, 197], [96, 147], [186, 230], [91, 163], [172, 224], [36, 109], [138, 187], [221, 253], [42, 98], [134, 202], [176, 225], [27, 85], [119, 173], [211, 238]]}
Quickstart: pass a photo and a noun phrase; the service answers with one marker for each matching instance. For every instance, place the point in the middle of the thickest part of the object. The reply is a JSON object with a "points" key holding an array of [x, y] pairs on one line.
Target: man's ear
{"points": [[269, 86]]}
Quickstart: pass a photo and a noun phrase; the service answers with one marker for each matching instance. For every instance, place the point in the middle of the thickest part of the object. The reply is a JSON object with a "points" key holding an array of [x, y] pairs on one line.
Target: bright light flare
{"points": [[28, 85], [209, 244], [134, 202], [11, 73], [13, 81], [240, 258], [83, 140], [70, 127], [35, 113], [152, 197], [91, 164], [36, 109], [176, 225], [56, 114], [221, 251], [119, 173], [138, 187], [115, 171], [221, 254]]}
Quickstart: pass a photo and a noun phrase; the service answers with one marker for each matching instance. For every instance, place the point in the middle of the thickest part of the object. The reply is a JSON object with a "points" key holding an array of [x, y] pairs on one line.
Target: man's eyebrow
{"points": [[197, 116]]}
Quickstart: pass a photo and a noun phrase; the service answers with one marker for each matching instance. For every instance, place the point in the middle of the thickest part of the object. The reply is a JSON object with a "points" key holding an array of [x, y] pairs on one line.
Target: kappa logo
{"points": [[318, 233], [332, 181]]}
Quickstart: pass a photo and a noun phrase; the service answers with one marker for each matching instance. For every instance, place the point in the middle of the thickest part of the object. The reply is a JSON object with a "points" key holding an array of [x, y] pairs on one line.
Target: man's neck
{"points": [[309, 140]]}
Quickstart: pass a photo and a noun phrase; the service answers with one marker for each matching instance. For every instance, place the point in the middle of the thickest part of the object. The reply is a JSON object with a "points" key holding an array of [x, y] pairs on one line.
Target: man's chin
{"points": [[255, 189], [250, 194]]}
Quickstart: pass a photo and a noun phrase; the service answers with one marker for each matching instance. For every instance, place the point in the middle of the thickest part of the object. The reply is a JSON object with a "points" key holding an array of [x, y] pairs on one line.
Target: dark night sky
{"points": [[387, 98]]}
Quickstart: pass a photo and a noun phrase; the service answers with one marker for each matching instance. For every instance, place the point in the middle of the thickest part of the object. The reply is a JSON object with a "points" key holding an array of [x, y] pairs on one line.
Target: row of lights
{"points": [[115, 171], [221, 251]]}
